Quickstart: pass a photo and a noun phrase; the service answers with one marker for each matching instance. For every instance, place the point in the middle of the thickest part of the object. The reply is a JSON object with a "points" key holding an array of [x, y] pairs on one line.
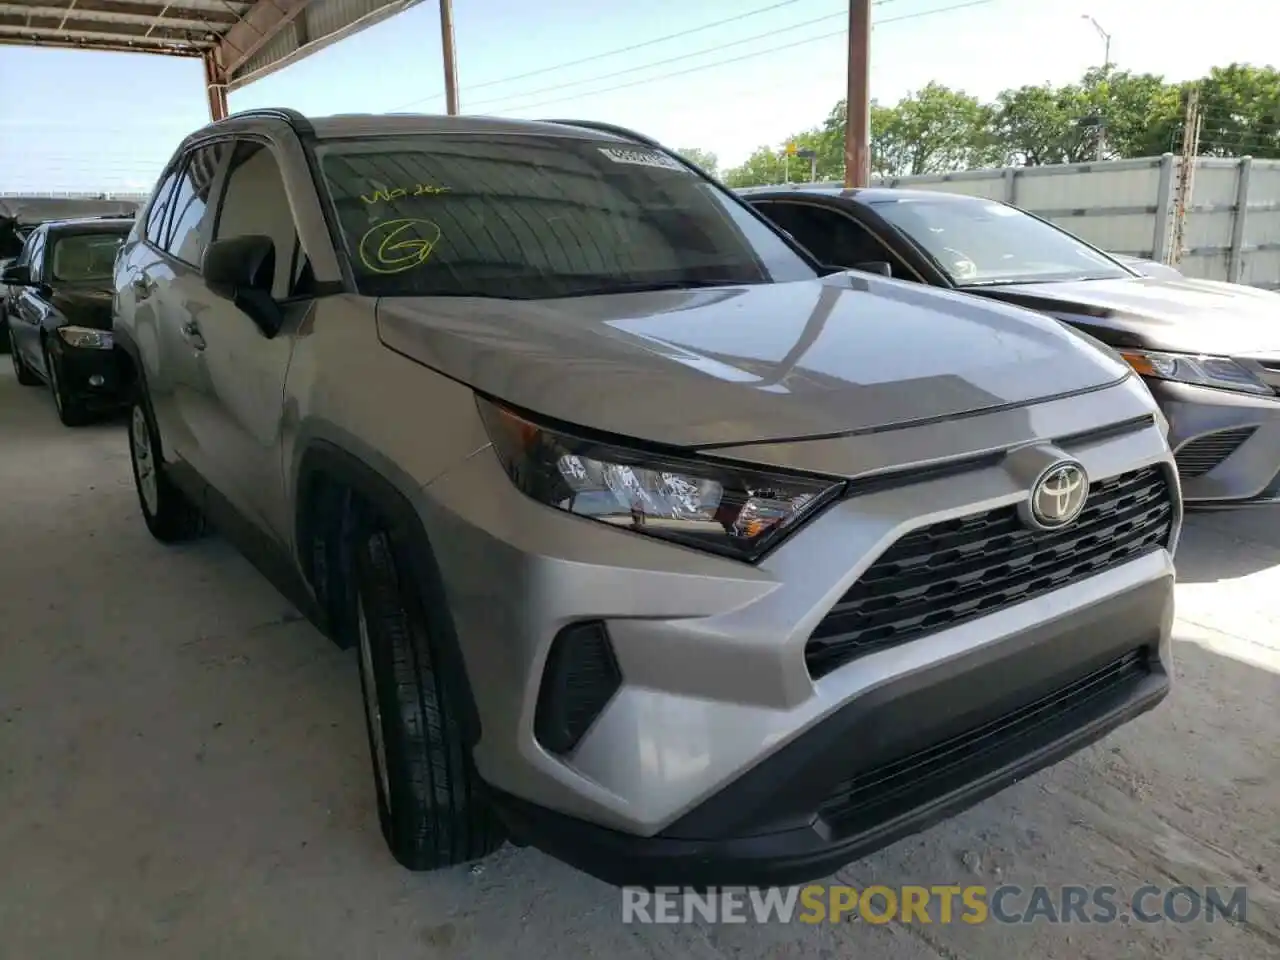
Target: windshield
{"points": [[85, 257], [981, 243], [536, 217]]}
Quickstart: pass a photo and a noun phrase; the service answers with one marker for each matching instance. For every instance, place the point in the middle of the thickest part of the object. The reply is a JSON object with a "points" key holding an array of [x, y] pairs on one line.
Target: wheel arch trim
{"points": [[321, 458]]}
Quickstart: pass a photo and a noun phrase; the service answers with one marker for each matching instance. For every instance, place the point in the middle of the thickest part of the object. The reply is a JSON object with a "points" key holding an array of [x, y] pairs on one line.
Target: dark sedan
{"points": [[60, 319], [1210, 352]]}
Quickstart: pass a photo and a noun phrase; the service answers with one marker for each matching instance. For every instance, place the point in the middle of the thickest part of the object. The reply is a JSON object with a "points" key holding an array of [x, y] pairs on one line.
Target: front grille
{"points": [[957, 570], [1197, 457], [926, 775]]}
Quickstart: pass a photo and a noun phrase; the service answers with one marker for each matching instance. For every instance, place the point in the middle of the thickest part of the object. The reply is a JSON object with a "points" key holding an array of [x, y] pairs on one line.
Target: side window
{"points": [[185, 237], [36, 263], [156, 214], [28, 246], [830, 236], [254, 202]]}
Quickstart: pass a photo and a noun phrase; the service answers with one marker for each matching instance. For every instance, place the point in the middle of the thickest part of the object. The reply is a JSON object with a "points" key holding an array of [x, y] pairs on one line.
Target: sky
{"points": [[78, 120]]}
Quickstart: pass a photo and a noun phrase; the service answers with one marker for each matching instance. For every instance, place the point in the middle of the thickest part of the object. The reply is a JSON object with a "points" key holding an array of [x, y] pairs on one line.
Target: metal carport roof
{"points": [[238, 40]]}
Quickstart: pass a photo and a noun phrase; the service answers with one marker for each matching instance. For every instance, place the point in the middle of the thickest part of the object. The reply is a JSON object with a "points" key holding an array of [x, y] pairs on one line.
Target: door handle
{"points": [[141, 286], [191, 334]]}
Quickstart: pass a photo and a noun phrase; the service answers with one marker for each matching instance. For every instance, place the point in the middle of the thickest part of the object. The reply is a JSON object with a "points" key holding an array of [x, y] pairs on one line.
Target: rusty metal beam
{"points": [[103, 44], [215, 86], [14, 25], [131, 13], [259, 25]]}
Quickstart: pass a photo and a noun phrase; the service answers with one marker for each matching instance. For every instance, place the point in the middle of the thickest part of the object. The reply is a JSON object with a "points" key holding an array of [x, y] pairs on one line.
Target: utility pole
{"points": [[857, 128], [450, 58], [1186, 176]]}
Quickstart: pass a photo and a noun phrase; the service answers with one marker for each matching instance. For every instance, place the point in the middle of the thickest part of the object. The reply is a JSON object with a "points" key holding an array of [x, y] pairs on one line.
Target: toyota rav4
{"points": [[664, 548]]}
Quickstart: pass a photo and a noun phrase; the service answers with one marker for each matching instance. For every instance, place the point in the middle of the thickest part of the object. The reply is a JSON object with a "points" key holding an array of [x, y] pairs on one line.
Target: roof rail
{"points": [[300, 124], [614, 129]]}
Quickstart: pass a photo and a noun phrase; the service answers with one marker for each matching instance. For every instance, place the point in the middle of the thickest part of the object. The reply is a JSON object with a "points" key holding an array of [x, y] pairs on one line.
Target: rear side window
{"points": [[154, 231], [187, 233]]}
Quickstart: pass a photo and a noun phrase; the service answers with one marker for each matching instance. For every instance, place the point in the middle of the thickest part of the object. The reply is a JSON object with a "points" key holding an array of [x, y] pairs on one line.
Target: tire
{"points": [[169, 515], [431, 802], [20, 368], [70, 411]]}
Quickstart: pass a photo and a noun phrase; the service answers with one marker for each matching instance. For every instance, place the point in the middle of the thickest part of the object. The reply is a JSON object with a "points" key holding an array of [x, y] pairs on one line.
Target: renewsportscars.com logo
{"points": [[937, 904]]}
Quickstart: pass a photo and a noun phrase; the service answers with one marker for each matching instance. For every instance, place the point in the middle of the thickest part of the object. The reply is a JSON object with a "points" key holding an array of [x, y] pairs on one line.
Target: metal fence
{"points": [[1232, 225]]}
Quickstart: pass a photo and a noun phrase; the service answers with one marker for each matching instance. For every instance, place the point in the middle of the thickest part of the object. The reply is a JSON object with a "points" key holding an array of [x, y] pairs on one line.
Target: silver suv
{"points": [[664, 548]]}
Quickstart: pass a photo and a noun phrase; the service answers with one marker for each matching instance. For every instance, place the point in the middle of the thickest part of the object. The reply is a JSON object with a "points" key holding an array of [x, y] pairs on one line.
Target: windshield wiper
{"points": [[1028, 281], [648, 286]]}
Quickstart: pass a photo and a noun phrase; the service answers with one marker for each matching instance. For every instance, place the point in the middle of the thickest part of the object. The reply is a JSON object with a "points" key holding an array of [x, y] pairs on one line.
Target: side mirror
{"points": [[883, 267], [16, 275], [242, 270]]}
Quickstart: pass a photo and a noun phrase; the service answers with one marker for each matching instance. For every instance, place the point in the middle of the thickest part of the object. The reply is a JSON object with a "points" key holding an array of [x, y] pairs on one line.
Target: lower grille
{"points": [[579, 680], [1197, 457], [883, 792], [958, 570]]}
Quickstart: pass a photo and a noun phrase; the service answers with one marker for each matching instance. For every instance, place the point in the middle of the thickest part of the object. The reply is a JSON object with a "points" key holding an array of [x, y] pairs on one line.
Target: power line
{"points": [[748, 56], [613, 53], [677, 59]]}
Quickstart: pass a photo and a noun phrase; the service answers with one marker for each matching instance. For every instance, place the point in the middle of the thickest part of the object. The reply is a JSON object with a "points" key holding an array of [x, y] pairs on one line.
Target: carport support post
{"points": [[450, 58], [857, 132], [1235, 260], [215, 86]]}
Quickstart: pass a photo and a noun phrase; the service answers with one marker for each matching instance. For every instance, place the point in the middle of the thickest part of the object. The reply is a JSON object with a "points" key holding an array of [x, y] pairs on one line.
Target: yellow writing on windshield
{"points": [[394, 246], [396, 193]]}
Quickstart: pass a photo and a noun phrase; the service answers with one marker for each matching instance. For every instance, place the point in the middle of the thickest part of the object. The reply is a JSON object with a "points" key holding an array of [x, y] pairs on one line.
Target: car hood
{"points": [[87, 306], [1183, 315], [839, 354]]}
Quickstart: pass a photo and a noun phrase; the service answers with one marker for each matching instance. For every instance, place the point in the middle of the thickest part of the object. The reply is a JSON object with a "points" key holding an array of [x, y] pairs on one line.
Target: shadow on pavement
{"points": [[1226, 546]]}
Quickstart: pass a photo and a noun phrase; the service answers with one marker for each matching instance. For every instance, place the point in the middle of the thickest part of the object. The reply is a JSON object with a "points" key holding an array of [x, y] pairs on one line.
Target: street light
{"points": [[1106, 39]]}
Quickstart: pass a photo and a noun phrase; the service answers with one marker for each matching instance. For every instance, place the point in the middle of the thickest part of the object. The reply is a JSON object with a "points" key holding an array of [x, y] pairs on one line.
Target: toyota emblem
{"points": [[1059, 496]]}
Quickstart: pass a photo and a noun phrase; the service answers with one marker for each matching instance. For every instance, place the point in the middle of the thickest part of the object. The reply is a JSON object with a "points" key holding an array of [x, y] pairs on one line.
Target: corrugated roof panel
{"points": [[321, 23]]}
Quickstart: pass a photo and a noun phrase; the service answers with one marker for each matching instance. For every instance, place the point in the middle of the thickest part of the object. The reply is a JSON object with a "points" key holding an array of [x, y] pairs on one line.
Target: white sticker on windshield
{"points": [[644, 158]]}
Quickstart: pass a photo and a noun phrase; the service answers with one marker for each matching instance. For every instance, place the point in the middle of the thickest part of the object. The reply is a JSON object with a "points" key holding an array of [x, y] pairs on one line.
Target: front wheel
{"points": [[20, 368], [70, 410], [169, 515], [431, 804]]}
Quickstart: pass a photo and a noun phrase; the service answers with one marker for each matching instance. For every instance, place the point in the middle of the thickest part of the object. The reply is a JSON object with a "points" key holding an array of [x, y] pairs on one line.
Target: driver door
{"points": [[233, 388]]}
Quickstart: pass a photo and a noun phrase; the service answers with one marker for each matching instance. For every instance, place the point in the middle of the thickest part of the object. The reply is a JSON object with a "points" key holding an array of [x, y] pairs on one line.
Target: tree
{"points": [[1240, 105], [701, 158], [770, 164], [1137, 114], [931, 131], [1038, 125], [1110, 113]]}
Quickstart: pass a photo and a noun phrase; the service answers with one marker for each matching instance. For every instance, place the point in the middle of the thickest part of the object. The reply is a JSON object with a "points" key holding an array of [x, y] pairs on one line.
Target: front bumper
{"points": [[92, 377], [719, 755], [895, 760], [1226, 444]]}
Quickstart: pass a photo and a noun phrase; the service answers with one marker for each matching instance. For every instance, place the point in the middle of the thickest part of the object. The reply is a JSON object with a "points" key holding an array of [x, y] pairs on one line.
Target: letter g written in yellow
{"points": [[813, 906]]}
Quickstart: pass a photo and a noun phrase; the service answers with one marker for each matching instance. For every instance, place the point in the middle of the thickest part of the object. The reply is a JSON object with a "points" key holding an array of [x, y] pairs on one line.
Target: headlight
{"points": [[721, 508], [1204, 371], [86, 337]]}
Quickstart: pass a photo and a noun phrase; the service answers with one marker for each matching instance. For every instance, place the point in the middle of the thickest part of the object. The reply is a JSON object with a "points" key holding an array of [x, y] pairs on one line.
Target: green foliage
{"points": [[1110, 113], [705, 159]]}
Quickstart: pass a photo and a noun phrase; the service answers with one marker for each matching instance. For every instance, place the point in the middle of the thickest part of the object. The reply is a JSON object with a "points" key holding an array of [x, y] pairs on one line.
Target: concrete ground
{"points": [[183, 770]]}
